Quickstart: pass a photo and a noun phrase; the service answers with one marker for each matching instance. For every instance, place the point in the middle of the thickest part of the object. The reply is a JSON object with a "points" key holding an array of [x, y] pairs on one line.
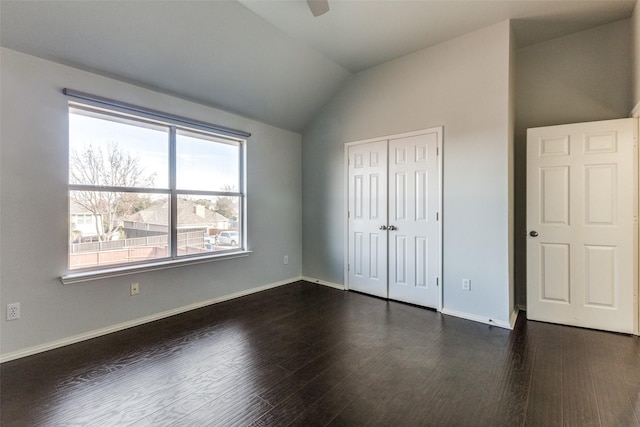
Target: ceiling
{"points": [[268, 60], [358, 34]]}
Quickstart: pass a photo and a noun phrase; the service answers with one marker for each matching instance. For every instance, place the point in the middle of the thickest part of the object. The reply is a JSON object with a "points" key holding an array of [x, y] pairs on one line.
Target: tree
{"points": [[115, 168], [131, 203], [204, 202], [227, 206]]}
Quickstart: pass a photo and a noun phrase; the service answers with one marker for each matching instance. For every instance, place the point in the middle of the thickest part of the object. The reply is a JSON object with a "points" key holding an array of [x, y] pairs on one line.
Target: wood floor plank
{"points": [[544, 403], [293, 401], [226, 411], [579, 403], [332, 403], [615, 406], [516, 376]]}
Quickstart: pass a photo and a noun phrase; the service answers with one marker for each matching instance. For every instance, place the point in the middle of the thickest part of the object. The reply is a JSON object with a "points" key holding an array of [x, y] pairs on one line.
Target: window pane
{"points": [[208, 224], [205, 163], [108, 151], [115, 228]]}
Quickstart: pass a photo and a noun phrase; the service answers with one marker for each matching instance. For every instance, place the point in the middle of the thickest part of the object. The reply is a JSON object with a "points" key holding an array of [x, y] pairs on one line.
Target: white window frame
{"points": [[174, 124]]}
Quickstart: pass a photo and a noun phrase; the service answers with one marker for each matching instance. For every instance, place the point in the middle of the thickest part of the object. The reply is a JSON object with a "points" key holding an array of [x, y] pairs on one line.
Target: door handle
{"points": [[533, 233], [392, 227], [383, 227]]}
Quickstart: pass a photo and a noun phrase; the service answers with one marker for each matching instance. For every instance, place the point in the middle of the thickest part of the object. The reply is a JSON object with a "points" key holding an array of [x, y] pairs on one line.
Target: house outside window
{"points": [[143, 191]]}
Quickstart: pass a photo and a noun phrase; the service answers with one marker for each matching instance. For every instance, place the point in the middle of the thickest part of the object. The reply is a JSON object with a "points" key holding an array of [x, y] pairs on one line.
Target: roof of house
{"points": [[189, 213], [77, 209]]}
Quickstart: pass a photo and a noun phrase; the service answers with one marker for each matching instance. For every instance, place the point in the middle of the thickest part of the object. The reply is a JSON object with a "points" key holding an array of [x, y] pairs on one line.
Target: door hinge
{"points": [[437, 216], [437, 151], [348, 214], [348, 267], [437, 281]]}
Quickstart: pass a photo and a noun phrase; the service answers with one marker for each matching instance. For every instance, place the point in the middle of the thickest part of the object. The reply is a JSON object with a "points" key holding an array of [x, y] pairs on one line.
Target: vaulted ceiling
{"points": [[268, 60]]}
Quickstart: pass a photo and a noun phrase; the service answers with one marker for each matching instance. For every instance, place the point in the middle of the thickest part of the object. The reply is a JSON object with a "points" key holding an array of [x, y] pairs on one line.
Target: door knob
{"points": [[392, 227], [383, 227], [533, 233]]}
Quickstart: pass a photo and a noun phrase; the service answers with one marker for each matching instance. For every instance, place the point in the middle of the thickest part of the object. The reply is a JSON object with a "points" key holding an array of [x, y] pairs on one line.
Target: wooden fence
{"points": [[93, 254]]}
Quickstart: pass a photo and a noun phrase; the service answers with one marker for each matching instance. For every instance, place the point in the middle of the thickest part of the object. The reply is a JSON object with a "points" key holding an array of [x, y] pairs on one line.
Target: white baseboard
{"points": [[322, 282], [137, 322], [476, 318]]}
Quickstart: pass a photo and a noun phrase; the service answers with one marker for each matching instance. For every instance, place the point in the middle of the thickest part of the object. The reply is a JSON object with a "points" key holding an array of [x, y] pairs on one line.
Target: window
{"points": [[143, 190]]}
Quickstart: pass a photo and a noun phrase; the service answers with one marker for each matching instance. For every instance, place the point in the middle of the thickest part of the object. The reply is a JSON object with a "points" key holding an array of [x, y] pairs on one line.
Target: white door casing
{"points": [[395, 182], [582, 225]]}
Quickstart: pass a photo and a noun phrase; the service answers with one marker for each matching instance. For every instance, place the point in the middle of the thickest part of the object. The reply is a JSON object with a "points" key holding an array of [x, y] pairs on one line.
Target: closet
{"points": [[393, 244]]}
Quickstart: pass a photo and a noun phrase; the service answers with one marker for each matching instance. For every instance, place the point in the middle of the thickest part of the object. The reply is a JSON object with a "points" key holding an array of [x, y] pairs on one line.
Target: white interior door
{"points": [[367, 239], [413, 219], [581, 221]]}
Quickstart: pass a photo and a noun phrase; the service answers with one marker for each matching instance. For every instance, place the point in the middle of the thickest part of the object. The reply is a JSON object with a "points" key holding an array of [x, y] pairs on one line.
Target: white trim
{"points": [[346, 217], [514, 317], [322, 282], [395, 136], [476, 318], [440, 162], [123, 270], [636, 187], [137, 322]]}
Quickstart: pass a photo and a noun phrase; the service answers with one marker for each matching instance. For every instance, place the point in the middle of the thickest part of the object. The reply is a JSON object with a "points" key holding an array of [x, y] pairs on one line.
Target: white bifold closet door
{"points": [[582, 224], [368, 218], [393, 218]]}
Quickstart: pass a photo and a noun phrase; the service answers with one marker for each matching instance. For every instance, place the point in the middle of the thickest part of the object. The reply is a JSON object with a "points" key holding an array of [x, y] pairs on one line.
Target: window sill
{"points": [[86, 276]]}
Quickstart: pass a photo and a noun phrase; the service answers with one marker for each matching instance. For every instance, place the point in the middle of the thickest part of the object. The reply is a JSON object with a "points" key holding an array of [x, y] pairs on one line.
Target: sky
{"points": [[201, 163]]}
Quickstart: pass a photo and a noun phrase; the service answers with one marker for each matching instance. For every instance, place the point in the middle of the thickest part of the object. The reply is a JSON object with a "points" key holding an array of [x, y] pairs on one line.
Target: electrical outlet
{"points": [[135, 288], [13, 311], [286, 259], [466, 284]]}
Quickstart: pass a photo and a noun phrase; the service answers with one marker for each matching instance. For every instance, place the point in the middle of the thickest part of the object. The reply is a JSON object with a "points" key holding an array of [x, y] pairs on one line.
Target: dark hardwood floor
{"points": [[304, 354]]}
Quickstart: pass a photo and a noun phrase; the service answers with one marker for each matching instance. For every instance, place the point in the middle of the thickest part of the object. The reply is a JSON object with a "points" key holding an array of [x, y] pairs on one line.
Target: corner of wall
{"points": [[511, 171], [635, 58]]}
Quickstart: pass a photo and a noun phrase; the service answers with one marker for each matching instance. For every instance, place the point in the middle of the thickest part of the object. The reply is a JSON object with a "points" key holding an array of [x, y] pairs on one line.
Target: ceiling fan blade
{"points": [[318, 7]]}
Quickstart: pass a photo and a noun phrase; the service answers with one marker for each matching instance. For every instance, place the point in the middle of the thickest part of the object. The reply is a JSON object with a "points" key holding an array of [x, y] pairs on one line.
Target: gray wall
{"points": [[582, 77], [33, 215], [463, 85]]}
